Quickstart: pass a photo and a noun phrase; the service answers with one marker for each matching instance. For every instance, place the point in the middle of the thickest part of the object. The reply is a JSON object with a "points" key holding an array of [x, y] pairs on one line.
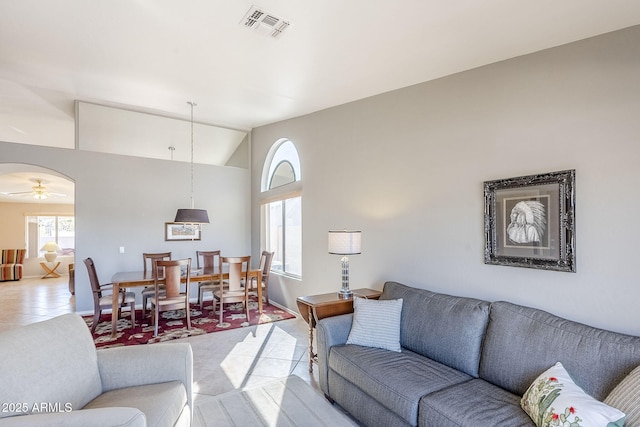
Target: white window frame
{"points": [[33, 242], [282, 193]]}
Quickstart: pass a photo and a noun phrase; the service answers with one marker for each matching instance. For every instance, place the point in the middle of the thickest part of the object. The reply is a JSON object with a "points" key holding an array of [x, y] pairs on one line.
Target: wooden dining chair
{"points": [[265, 268], [102, 301], [169, 273], [148, 258], [72, 278], [234, 289], [210, 260], [149, 291]]}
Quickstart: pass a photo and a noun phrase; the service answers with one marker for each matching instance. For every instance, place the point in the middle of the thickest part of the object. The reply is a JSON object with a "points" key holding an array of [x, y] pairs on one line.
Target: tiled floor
{"points": [[223, 361], [33, 300]]}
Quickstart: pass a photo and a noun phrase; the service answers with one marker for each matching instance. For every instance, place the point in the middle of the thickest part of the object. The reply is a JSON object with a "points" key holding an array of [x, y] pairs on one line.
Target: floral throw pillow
{"points": [[555, 400]]}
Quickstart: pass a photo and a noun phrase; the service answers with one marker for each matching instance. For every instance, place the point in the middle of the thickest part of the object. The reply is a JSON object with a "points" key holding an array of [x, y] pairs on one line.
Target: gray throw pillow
{"points": [[376, 323]]}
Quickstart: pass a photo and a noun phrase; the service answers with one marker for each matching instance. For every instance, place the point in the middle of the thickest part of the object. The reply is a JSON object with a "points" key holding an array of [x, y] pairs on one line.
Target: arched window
{"points": [[282, 165], [282, 208], [283, 174]]}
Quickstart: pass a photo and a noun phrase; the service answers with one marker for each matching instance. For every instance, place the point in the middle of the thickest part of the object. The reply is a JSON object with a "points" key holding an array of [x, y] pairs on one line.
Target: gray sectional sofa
{"points": [[464, 361], [52, 375]]}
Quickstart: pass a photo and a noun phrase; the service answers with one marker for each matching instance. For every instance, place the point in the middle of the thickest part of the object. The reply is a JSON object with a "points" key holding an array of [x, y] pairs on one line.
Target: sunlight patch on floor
{"points": [[267, 352]]}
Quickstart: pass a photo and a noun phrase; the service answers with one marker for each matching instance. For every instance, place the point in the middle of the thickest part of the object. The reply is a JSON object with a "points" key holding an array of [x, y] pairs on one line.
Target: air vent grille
{"points": [[264, 22]]}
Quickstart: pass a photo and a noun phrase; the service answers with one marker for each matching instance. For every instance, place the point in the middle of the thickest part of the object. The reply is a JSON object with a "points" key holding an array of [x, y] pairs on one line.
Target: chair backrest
{"points": [[208, 259], [93, 278], [155, 256], [238, 271], [13, 256], [265, 263], [172, 276]]}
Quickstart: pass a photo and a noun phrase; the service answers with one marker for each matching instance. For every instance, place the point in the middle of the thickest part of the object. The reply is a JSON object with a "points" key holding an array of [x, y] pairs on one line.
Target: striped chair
{"points": [[11, 264]]}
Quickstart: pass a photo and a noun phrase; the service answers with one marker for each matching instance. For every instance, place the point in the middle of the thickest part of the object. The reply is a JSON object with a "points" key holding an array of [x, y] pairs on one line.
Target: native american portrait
{"points": [[528, 222]]}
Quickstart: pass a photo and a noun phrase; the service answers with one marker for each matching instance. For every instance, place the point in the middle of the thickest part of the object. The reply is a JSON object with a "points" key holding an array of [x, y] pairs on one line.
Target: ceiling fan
{"points": [[38, 191]]}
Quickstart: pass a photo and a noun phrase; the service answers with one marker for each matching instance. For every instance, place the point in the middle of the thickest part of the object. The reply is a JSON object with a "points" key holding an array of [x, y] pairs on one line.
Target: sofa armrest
{"points": [[330, 331], [147, 364], [99, 417]]}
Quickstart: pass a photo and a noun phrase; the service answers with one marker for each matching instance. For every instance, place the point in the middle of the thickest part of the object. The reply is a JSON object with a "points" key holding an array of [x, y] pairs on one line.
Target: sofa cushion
{"points": [[395, 380], [444, 328], [365, 409], [626, 397], [31, 371], [100, 417], [161, 403], [10, 272], [376, 323], [475, 403], [554, 396], [521, 342]]}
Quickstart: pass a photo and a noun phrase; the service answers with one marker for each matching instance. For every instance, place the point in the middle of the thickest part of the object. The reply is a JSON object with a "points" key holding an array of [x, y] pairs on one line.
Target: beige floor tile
{"points": [[223, 361]]}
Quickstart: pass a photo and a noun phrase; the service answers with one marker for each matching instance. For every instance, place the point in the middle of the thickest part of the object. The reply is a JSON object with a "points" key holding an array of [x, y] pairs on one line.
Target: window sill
{"points": [[287, 275]]}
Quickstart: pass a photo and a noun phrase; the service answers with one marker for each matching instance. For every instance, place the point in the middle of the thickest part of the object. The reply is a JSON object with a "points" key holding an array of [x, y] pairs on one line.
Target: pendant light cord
{"points": [[193, 104], [192, 217]]}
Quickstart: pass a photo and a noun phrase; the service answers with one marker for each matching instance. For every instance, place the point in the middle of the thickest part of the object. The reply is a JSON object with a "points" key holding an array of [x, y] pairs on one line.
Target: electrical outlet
{"points": [[121, 249]]}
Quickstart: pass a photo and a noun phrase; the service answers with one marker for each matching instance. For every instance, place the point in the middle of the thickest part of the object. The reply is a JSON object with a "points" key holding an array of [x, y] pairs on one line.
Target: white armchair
{"points": [[52, 375]]}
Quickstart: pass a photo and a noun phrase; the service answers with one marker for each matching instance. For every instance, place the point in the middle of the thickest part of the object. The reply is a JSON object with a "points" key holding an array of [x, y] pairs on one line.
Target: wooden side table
{"points": [[315, 307], [50, 272]]}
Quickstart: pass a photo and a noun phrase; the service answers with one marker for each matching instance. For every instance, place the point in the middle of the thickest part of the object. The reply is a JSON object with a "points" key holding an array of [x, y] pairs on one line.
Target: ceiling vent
{"points": [[264, 22]]}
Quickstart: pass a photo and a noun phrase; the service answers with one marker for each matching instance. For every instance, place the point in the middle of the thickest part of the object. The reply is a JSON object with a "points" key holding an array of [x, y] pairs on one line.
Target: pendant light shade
{"points": [[192, 216]]}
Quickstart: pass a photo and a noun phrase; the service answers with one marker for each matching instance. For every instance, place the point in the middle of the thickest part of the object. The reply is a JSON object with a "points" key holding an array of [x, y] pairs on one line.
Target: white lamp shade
{"points": [[345, 242], [50, 247]]}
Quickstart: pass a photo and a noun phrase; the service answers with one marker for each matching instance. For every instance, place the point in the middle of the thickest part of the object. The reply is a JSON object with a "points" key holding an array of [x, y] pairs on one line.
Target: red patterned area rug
{"points": [[173, 323]]}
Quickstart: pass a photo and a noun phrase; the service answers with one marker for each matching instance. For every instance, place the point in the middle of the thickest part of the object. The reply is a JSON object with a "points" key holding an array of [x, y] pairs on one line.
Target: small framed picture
{"points": [[529, 221], [180, 231]]}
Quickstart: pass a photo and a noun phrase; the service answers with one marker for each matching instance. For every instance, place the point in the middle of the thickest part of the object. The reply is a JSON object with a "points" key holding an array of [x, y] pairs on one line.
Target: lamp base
{"points": [[345, 294]]}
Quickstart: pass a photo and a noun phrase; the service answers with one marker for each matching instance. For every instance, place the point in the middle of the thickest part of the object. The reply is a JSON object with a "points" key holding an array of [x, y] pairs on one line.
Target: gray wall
{"points": [[125, 201], [407, 168]]}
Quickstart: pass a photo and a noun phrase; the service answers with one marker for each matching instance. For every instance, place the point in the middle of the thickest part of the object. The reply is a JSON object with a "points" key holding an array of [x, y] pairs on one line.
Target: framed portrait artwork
{"points": [[180, 231], [529, 221]]}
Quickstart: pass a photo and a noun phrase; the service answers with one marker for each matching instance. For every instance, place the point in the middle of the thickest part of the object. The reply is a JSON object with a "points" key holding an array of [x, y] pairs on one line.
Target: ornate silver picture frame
{"points": [[529, 221]]}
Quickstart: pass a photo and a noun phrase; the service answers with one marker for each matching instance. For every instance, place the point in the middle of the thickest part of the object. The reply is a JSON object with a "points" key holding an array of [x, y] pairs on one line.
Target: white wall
{"points": [[125, 201], [407, 168]]}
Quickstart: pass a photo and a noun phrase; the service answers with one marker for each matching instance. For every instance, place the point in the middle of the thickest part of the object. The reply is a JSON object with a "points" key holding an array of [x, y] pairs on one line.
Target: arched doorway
{"points": [[37, 206]]}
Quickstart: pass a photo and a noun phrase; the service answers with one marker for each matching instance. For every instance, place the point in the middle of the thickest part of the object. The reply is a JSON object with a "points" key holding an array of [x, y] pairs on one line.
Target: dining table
{"points": [[131, 279]]}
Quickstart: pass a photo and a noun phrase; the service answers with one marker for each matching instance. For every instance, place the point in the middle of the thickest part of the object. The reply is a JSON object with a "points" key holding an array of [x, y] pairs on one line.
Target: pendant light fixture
{"points": [[192, 217]]}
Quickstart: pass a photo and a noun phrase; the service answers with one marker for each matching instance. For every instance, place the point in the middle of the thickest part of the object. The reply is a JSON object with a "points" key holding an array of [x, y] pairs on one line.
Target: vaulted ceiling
{"points": [[155, 55]]}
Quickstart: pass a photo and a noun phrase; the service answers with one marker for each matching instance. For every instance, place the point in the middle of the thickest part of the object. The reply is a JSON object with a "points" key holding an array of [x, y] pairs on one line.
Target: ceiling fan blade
{"points": [[20, 193], [38, 191]]}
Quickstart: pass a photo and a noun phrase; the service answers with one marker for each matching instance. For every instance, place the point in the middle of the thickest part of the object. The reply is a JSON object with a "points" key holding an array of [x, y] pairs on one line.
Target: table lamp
{"points": [[50, 251], [345, 243]]}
